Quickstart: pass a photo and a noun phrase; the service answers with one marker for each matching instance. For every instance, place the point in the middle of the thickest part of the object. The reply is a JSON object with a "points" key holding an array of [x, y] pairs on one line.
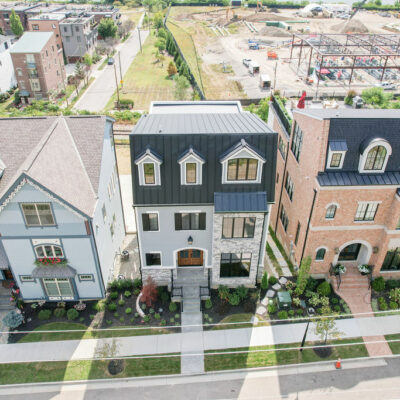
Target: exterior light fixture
{"points": [[190, 240]]}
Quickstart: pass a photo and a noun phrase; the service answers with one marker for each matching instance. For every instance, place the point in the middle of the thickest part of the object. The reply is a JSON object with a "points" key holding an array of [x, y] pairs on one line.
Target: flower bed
{"points": [[117, 310], [385, 295]]}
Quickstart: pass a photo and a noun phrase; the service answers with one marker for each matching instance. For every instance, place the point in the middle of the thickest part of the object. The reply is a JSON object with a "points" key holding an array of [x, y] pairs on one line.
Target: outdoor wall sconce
{"points": [[337, 251], [190, 240], [375, 249]]}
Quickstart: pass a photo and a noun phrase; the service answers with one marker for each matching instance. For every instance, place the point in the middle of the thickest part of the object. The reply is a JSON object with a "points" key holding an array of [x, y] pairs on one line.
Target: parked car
{"points": [[386, 85], [110, 61], [246, 61]]}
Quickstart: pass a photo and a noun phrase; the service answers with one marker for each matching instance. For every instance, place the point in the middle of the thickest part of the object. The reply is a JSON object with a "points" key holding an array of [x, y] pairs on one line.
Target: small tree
{"points": [[107, 28], [263, 109], [325, 327], [181, 87], [376, 97], [75, 80], [161, 57], [303, 275], [157, 56], [16, 25], [172, 69], [13, 319], [158, 20], [149, 292], [88, 61], [160, 44], [349, 98]]}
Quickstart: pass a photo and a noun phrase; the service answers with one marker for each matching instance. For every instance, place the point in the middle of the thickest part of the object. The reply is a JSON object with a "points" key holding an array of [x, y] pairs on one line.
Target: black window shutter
{"points": [[146, 222], [178, 222], [149, 259], [202, 221]]}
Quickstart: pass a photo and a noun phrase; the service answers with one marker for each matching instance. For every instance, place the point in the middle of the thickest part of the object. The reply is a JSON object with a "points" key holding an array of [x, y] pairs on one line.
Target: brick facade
{"points": [[41, 24]]}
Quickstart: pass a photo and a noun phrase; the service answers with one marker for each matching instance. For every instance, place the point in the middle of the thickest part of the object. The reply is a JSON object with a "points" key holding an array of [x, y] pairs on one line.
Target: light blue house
{"points": [[61, 218]]}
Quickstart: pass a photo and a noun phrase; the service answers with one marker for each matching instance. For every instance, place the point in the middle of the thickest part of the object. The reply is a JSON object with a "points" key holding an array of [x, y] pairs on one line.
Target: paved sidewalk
{"points": [[278, 255], [192, 341]]}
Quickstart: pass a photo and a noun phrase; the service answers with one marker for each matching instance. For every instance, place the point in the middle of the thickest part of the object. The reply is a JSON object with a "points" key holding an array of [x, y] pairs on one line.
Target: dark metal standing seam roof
{"points": [[240, 202], [241, 123], [347, 178]]}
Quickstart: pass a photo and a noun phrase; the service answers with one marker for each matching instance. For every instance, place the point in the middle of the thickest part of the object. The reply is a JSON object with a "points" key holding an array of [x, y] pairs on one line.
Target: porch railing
{"points": [[175, 291]]}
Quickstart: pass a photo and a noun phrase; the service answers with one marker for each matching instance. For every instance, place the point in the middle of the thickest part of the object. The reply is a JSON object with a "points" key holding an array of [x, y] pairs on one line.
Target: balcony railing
{"points": [[282, 113], [31, 65]]}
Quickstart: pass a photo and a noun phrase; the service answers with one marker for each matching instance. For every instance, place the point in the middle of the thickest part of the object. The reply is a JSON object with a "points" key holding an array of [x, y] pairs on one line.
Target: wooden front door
{"points": [[8, 274], [190, 257]]}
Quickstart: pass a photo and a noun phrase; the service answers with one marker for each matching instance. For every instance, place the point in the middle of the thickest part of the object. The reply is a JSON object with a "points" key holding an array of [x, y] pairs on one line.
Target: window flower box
{"points": [[339, 269], [50, 261], [364, 269]]}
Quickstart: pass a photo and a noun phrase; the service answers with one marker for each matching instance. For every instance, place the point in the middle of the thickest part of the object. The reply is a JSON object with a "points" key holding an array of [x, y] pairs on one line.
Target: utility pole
{"points": [[120, 69], [140, 40], [116, 82]]}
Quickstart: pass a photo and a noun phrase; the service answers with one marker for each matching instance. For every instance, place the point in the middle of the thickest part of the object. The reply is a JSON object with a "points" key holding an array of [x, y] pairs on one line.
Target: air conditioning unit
{"points": [[124, 255]]}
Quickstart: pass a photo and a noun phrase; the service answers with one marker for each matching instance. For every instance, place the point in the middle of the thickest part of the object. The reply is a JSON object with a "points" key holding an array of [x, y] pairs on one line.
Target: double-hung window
{"points": [[297, 141], [149, 173], [150, 221], [284, 218], [282, 147], [238, 227], [38, 214], [366, 211], [289, 186], [190, 221]]}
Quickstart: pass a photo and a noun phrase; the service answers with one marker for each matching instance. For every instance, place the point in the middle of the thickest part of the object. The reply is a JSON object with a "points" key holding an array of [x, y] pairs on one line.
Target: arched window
{"points": [[375, 158], [331, 211], [320, 254], [48, 250]]}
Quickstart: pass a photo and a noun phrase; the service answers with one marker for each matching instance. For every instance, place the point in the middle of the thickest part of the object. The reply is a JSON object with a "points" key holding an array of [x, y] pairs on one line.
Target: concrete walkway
{"points": [[193, 341], [278, 255]]}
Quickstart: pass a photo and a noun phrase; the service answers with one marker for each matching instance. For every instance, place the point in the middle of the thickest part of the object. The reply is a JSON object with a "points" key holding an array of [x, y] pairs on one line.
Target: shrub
{"points": [[136, 292], [127, 293], [264, 281], [164, 297], [208, 304], [72, 314], [44, 314], [121, 319], [163, 322], [303, 275], [116, 314], [81, 319], [283, 315], [108, 322], [137, 283], [59, 312], [382, 304], [272, 280], [334, 300], [394, 295], [392, 284], [242, 292], [143, 307], [128, 310], [100, 305], [14, 320], [112, 307], [299, 311], [146, 318], [336, 308], [157, 316], [291, 313], [223, 292], [149, 292], [172, 320], [393, 305], [311, 283], [173, 306], [324, 288], [151, 310], [348, 100], [378, 284], [114, 295], [121, 302], [92, 316], [234, 299], [272, 308]]}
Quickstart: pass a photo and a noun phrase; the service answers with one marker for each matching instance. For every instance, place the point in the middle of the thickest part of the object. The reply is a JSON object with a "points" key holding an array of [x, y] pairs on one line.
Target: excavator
{"points": [[260, 7], [231, 10], [357, 8]]}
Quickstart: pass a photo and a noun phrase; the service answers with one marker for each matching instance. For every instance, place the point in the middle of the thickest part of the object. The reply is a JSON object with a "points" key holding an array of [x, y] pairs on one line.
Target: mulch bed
{"points": [[103, 319]]}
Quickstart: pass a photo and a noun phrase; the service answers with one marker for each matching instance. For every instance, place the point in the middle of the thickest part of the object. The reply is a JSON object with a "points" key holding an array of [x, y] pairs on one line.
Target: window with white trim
{"points": [[58, 288], [49, 250], [320, 255], [331, 212], [86, 277], [153, 259], [242, 169], [38, 214], [150, 222], [191, 165], [26, 278], [375, 156], [366, 211], [238, 227], [149, 169]]}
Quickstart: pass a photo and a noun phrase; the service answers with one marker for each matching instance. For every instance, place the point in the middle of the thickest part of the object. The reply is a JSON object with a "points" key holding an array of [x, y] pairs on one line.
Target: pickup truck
{"points": [[246, 62]]}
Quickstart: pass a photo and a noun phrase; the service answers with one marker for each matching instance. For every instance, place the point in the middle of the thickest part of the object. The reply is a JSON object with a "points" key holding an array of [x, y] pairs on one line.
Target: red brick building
{"points": [[337, 188], [38, 65]]}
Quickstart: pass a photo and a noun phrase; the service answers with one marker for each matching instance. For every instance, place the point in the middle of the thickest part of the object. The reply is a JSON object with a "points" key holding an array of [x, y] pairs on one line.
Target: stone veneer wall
{"points": [[160, 276], [242, 245]]}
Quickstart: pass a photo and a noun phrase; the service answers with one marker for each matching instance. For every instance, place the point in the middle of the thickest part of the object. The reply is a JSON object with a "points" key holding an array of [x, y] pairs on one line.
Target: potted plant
{"points": [[339, 269], [364, 269]]}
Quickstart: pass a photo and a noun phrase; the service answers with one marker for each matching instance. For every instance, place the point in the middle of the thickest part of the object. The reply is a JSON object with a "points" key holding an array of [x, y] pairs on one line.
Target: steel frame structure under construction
{"points": [[353, 51]]}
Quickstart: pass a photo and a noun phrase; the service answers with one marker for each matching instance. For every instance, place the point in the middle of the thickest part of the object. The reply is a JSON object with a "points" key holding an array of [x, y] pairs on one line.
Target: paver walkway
{"points": [[192, 341], [354, 290], [278, 255]]}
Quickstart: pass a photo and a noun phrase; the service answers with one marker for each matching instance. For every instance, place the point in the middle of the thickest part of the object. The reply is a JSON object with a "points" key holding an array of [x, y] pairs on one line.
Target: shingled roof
{"points": [[63, 154]]}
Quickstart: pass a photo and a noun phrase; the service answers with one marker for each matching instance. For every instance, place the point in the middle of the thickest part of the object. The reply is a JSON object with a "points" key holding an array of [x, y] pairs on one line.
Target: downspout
{"points": [[266, 216], [104, 289], [137, 238], [308, 224]]}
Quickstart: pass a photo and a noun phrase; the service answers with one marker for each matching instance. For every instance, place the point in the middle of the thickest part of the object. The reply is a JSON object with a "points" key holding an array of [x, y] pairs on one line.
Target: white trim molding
{"points": [[329, 158], [316, 252], [191, 157], [363, 158], [149, 158], [365, 257]]}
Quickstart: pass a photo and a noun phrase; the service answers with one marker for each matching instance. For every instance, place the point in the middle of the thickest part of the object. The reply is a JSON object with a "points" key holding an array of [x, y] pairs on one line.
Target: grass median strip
{"points": [[38, 336], [395, 346], [86, 369], [237, 359]]}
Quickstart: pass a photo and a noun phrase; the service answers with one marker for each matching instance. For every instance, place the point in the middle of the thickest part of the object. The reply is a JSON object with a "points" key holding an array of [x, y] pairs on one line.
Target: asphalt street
{"points": [[369, 380]]}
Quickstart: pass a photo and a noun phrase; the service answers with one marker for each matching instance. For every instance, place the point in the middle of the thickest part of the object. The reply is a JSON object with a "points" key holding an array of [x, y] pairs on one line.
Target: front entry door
{"points": [[193, 258], [8, 274]]}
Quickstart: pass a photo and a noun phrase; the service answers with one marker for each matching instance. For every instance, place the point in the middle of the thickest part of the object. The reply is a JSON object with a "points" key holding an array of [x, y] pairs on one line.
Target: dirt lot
{"points": [[216, 50], [123, 159]]}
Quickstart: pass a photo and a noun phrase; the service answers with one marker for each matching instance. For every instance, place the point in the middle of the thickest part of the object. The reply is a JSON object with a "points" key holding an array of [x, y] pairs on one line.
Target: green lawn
{"points": [[3, 106], [146, 80], [282, 357], [38, 336], [395, 346], [235, 318], [81, 370]]}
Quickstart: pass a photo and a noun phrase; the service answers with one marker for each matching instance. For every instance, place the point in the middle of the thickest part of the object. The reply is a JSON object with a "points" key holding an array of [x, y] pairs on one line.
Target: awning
{"points": [[324, 71], [54, 271], [3, 257], [24, 93], [241, 202]]}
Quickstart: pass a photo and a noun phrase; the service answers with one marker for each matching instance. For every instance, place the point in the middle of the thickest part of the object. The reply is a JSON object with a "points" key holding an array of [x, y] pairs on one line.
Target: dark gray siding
{"points": [[170, 147]]}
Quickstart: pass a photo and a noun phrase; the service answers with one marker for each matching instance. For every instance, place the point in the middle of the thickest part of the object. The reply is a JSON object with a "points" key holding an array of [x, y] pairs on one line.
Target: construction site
{"points": [[244, 52]]}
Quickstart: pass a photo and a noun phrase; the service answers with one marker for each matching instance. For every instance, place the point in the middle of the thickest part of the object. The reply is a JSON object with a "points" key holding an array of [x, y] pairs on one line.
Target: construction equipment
{"points": [[357, 8], [228, 11], [260, 7]]}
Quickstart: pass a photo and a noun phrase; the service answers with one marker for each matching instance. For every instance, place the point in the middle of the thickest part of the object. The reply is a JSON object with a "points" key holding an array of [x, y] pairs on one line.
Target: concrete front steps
{"points": [[5, 304]]}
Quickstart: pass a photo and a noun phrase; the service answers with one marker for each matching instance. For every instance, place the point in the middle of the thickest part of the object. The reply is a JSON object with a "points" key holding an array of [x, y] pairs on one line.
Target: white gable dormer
{"points": [[149, 168], [242, 164], [191, 164]]}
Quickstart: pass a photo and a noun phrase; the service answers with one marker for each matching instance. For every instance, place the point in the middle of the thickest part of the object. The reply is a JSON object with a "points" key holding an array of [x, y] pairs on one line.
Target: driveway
{"points": [[100, 91]]}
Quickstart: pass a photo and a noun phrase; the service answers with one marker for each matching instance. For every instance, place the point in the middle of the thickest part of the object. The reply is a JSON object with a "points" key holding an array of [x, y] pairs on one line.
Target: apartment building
{"points": [[20, 9], [337, 188], [7, 75], [38, 65], [49, 22], [101, 12], [203, 183], [79, 36]]}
